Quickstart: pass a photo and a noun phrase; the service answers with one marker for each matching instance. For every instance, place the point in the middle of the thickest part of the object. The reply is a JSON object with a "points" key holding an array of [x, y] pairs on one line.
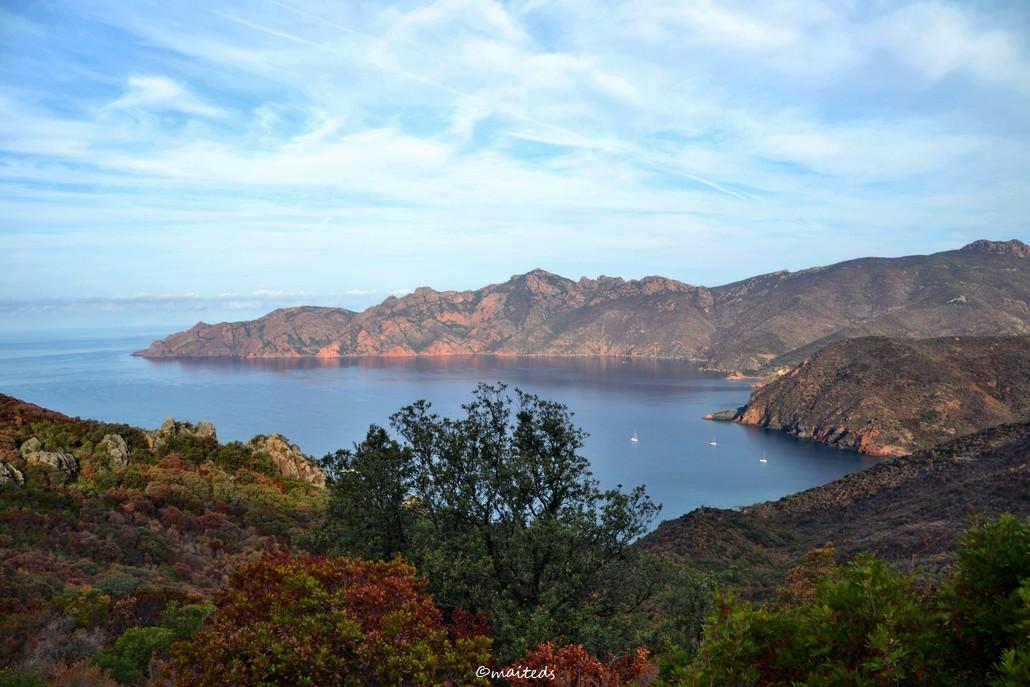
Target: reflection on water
{"points": [[327, 404]]}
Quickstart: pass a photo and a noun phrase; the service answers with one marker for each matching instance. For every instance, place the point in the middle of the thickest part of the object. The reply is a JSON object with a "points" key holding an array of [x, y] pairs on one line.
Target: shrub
{"points": [[130, 656], [987, 599], [88, 607], [79, 674], [865, 623], [573, 666], [315, 621], [12, 677], [862, 623], [184, 620]]}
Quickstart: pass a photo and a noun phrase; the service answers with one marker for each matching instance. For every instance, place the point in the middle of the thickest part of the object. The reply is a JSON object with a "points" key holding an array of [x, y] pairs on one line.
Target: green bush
{"points": [[52, 436], [12, 677], [87, 607], [865, 623], [129, 658], [184, 620], [117, 584], [986, 594]]}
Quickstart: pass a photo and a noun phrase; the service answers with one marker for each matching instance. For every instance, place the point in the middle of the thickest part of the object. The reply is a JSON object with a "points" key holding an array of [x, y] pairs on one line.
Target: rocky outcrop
{"points": [[288, 459], [63, 464], [10, 475], [172, 428], [113, 450], [1014, 248], [768, 321], [890, 397]]}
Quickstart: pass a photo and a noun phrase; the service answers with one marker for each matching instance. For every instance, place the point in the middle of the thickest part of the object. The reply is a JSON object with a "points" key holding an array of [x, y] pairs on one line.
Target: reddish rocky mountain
{"points": [[890, 397], [766, 321]]}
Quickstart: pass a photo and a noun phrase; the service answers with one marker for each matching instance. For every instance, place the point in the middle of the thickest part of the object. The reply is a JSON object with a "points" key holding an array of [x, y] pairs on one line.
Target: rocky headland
{"points": [[765, 322], [890, 397]]}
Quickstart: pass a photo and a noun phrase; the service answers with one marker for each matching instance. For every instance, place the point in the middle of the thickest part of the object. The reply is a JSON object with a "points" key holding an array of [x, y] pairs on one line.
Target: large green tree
{"points": [[498, 509]]}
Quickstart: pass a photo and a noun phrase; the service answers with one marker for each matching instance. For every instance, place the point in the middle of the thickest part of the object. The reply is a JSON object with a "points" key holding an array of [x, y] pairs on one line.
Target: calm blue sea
{"points": [[324, 406]]}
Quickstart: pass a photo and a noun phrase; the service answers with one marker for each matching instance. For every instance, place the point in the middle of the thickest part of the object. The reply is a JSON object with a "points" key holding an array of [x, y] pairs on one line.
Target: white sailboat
{"points": [[634, 438], [712, 442], [763, 459]]}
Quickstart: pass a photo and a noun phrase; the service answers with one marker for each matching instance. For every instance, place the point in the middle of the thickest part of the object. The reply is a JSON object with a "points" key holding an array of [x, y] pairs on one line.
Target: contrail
{"points": [[587, 142]]}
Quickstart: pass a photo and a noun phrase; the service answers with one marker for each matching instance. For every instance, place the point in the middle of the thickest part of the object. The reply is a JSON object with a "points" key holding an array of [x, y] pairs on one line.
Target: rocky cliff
{"points": [[909, 510], [769, 320], [890, 397]]}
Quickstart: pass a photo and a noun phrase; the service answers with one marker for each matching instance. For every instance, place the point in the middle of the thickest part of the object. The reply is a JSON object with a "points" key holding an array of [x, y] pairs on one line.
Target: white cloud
{"points": [[162, 93], [394, 142], [938, 39]]}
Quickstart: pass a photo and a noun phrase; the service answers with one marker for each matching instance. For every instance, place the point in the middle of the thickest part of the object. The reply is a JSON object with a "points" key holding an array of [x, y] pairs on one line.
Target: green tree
{"points": [[500, 512], [987, 599]]}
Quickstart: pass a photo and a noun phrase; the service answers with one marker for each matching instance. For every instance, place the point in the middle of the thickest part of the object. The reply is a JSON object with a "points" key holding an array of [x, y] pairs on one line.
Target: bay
{"points": [[325, 405]]}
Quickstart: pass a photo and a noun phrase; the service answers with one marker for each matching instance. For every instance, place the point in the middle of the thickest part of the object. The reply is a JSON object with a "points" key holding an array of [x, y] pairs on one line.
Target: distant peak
{"points": [[1014, 247], [538, 275], [536, 272]]}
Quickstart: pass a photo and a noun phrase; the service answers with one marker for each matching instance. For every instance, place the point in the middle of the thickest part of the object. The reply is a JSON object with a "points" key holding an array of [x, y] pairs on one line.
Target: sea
{"points": [[325, 405]]}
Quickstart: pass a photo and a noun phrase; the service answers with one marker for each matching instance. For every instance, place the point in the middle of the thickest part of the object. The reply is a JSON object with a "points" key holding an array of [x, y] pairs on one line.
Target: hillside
{"points": [[909, 510], [884, 396], [102, 526], [769, 320]]}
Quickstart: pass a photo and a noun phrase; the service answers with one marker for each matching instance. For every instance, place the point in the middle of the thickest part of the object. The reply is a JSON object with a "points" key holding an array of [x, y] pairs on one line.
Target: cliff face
{"points": [[770, 320], [890, 397], [909, 510]]}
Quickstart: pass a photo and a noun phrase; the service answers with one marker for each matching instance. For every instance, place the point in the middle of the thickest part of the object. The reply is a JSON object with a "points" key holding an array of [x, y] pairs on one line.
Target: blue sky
{"points": [[165, 162]]}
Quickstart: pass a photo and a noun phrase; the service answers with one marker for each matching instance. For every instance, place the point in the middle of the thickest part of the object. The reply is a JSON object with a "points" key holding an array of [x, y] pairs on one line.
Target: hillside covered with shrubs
{"points": [[473, 550]]}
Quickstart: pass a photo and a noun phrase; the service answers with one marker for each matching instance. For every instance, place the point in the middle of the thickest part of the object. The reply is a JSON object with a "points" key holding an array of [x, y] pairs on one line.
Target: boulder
{"points": [[63, 464], [171, 428], [288, 459], [114, 449], [10, 475], [205, 430]]}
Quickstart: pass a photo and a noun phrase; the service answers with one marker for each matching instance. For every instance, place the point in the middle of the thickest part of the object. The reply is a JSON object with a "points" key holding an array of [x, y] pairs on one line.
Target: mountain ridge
{"points": [[749, 324]]}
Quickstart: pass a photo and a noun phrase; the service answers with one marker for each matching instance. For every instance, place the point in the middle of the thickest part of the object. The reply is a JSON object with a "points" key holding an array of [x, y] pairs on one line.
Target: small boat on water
{"points": [[712, 442], [634, 438], [763, 459]]}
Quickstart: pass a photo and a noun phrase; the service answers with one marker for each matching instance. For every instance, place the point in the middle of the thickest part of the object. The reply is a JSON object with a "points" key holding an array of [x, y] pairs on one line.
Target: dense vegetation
{"points": [[446, 545], [107, 569], [866, 623], [499, 511], [327, 621]]}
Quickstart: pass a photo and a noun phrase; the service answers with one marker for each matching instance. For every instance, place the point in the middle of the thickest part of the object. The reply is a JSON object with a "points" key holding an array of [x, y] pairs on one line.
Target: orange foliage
{"points": [[288, 620], [573, 666]]}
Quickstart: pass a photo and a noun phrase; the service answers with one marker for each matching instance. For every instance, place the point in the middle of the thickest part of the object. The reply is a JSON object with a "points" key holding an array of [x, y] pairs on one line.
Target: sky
{"points": [[168, 162]]}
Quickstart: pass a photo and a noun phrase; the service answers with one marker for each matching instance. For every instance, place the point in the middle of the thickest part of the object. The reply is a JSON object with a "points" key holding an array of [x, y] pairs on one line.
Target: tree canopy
{"points": [[499, 510]]}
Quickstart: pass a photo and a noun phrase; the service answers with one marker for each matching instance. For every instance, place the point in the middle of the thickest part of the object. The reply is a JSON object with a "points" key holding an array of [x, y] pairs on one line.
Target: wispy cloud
{"points": [[161, 93], [265, 149]]}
